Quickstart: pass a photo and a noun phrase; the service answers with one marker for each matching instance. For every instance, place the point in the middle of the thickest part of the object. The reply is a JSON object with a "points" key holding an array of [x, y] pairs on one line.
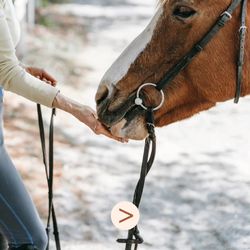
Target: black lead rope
{"points": [[147, 162], [49, 170]]}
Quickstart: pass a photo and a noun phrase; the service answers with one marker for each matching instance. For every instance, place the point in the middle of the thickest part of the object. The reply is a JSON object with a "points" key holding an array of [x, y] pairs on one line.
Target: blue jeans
{"points": [[19, 220]]}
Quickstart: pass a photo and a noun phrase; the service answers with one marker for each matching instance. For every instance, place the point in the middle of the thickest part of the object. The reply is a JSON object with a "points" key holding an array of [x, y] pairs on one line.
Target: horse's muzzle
{"points": [[110, 118]]}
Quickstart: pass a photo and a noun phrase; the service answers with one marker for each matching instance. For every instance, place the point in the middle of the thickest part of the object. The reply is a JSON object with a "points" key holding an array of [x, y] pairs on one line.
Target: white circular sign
{"points": [[125, 215]]}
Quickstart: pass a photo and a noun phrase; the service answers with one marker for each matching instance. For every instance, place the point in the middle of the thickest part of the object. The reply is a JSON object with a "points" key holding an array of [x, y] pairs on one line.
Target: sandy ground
{"points": [[197, 195]]}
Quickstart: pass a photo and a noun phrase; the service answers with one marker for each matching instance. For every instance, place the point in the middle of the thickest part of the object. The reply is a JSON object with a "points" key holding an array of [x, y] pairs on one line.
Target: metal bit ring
{"points": [[139, 101]]}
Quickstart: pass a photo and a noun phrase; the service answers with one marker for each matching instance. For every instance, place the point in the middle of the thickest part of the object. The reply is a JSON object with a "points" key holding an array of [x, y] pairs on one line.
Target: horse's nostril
{"points": [[102, 94]]}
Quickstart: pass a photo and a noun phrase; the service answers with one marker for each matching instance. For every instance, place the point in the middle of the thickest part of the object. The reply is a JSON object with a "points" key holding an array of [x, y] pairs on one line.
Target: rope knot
{"points": [[133, 239]]}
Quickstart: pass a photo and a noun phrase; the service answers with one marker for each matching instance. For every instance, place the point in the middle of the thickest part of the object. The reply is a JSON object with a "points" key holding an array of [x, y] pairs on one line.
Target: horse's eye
{"points": [[184, 12]]}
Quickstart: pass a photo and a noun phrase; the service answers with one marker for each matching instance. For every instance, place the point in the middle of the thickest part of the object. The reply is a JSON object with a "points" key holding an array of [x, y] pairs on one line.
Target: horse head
{"points": [[210, 78]]}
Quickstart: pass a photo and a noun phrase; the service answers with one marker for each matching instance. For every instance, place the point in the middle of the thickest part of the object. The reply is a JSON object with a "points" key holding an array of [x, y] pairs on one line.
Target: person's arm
{"points": [[16, 79], [23, 81], [84, 114]]}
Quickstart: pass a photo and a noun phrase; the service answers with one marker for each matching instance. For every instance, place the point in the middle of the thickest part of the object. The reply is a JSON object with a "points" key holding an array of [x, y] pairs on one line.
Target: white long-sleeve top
{"points": [[12, 76]]}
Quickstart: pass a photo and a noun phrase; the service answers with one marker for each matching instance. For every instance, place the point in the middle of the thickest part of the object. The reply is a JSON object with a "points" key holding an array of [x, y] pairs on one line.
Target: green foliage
{"points": [[46, 21], [44, 3]]}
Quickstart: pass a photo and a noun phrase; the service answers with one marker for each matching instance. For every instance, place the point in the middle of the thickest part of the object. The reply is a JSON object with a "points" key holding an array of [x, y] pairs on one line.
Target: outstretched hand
{"points": [[85, 114], [88, 116], [42, 75]]}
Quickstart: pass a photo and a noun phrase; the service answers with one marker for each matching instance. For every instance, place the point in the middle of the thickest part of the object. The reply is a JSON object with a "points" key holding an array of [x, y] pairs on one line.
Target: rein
{"points": [[49, 170], [134, 237], [147, 162]]}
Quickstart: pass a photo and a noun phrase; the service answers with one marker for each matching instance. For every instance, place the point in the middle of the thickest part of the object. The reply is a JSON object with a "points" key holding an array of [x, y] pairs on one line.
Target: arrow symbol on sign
{"points": [[127, 213]]}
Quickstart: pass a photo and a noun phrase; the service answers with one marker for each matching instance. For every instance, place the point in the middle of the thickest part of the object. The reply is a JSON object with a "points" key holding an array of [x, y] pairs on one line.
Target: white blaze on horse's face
{"points": [[121, 66]]}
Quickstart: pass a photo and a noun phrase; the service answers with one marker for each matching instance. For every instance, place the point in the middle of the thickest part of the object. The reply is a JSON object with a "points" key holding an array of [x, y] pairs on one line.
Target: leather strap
{"points": [[134, 237], [185, 61], [242, 32], [49, 169]]}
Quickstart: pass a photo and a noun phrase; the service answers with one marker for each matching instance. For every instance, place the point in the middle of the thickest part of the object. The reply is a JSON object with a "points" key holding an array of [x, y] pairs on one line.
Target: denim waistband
{"points": [[1, 95]]}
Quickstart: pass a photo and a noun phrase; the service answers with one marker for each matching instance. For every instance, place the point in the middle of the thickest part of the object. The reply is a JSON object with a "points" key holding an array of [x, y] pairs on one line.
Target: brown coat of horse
{"points": [[210, 78]]}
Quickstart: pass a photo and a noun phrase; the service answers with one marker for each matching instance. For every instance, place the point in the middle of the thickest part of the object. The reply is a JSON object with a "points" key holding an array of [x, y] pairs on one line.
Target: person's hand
{"points": [[42, 75], [85, 114], [88, 116]]}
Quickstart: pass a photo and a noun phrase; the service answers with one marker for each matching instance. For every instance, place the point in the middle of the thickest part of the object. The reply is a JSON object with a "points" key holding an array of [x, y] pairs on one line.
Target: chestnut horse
{"points": [[173, 31]]}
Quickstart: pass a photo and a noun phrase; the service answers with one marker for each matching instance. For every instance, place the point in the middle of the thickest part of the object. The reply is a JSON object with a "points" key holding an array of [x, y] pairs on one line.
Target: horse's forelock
{"points": [[162, 1]]}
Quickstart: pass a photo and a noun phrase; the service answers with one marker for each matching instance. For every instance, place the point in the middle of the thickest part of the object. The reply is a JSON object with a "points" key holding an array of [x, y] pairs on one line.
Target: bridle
{"points": [[198, 47], [134, 237]]}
